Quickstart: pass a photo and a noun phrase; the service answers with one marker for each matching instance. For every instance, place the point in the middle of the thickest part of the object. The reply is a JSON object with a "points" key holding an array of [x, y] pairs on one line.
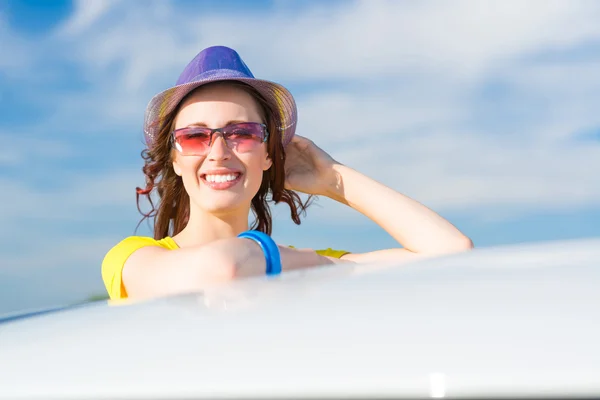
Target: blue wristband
{"points": [[269, 248]]}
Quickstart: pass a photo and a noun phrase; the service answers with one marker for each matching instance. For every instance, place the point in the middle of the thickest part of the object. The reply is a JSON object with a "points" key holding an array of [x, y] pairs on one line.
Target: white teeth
{"points": [[220, 178]]}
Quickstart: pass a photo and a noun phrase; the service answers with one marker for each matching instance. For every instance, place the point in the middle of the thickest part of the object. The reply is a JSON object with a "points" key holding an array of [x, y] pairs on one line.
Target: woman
{"points": [[218, 143]]}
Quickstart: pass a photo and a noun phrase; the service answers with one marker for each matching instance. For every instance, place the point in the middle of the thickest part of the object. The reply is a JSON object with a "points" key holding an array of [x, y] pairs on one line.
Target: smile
{"points": [[221, 178], [221, 181]]}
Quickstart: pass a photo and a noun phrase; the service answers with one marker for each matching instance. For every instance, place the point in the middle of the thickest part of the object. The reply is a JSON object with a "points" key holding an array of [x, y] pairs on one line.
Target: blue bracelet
{"points": [[269, 248]]}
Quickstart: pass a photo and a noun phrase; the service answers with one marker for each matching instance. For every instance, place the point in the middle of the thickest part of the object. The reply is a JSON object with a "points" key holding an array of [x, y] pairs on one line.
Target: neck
{"points": [[204, 227]]}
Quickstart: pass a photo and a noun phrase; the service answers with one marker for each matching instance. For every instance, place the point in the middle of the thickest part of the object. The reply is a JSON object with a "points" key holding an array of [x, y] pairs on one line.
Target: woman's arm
{"points": [[419, 230], [154, 271]]}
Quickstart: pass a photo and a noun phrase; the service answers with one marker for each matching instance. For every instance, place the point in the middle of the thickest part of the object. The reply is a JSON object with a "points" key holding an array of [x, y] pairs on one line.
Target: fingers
{"points": [[300, 139], [301, 143]]}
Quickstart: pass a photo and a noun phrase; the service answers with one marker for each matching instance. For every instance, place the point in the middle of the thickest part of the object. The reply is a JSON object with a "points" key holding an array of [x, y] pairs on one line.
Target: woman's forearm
{"points": [[154, 271], [414, 226], [241, 257]]}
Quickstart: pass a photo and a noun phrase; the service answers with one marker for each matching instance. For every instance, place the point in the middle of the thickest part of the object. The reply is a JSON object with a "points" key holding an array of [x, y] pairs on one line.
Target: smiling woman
{"points": [[218, 144]]}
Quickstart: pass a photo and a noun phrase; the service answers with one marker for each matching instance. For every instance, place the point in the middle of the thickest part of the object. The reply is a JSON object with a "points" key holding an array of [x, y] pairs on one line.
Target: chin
{"points": [[222, 208], [222, 203]]}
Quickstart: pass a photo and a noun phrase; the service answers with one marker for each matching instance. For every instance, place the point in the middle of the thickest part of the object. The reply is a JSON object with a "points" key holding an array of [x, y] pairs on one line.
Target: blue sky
{"points": [[485, 111]]}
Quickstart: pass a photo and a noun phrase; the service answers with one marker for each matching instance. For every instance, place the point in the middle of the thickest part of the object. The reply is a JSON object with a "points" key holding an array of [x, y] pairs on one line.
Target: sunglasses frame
{"points": [[221, 131]]}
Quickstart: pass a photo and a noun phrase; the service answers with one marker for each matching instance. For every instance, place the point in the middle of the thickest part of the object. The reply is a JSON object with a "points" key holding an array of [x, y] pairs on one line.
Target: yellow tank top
{"points": [[112, 265]]}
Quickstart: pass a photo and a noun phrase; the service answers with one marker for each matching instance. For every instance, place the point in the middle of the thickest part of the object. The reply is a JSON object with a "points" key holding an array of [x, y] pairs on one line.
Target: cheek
{"points": [[254, 170], [188, 168]]}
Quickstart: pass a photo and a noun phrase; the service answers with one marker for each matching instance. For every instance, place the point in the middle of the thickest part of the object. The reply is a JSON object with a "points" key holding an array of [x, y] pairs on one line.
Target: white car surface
{"points": [[506, 321]]}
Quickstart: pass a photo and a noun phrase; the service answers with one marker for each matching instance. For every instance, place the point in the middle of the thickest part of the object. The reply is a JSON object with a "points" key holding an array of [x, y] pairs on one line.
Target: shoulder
{"points": [[132, 243], [115, 258]]}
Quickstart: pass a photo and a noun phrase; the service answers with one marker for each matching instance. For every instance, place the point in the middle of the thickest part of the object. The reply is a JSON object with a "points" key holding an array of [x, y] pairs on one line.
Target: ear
{"points": [[176, 168], [267, 163]]}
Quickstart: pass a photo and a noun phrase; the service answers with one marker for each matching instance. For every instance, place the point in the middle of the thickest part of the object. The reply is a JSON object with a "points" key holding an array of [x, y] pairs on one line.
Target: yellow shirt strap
{"points": [[329, 252]]}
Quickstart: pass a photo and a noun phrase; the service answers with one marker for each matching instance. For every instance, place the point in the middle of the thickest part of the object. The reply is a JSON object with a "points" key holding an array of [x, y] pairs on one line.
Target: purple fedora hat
{"points": [[220, 63]]}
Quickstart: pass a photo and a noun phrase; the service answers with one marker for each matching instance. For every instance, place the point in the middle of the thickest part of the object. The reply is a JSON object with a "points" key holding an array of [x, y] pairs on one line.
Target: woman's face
{"points": [[225, 179]]}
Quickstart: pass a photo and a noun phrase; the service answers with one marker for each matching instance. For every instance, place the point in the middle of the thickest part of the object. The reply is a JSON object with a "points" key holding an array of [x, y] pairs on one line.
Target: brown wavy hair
{"points": [[172, 212]]}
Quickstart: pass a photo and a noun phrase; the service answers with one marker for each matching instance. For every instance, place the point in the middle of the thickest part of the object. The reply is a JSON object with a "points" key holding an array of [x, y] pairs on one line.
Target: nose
{"points": [[218, 149]]}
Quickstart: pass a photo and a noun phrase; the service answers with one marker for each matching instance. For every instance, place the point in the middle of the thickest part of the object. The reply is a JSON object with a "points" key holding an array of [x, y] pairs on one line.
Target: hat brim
{"points": [[277, 95]]}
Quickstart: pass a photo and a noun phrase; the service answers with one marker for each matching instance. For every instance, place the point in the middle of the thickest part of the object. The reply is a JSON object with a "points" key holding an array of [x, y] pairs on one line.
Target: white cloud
{"points": [[348, 40], [137, 52], [465, 172], [18, 148], [74, 197], [362, 114], [421, 148], [13, 52], [438, 54], [8, 158], [86, 13], [456, 173], [85, 252], [559, 98]]}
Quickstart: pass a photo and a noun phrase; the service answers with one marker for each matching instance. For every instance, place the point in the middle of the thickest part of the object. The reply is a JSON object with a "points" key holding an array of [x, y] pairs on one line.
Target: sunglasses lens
{"points": [[192, 141], [244, 137]]}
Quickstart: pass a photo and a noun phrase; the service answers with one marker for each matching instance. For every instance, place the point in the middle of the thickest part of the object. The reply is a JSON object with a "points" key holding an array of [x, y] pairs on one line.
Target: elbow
{"points": [[463, 244], [459, 245], [225, 262], [222, 268], [225, 272], [215, 267], [466, 243], [228, 271]]}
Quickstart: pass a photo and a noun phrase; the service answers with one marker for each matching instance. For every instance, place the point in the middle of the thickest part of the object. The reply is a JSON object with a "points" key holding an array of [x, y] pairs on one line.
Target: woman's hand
{"points": [[308, 168]]}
